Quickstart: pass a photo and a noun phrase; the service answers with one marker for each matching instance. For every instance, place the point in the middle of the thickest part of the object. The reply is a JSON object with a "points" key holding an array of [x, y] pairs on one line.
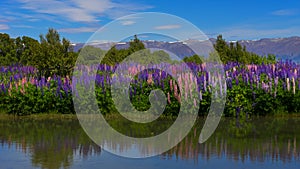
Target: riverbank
{"points": [[115, 116]]}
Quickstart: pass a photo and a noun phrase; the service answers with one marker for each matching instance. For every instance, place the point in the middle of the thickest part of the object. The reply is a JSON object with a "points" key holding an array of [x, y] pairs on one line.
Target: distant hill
{"points": [[286, 48]]}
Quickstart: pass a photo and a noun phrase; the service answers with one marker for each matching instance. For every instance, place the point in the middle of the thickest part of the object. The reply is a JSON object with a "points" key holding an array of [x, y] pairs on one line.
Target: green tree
{"points": [[56, 56], [7, 50], [195, 59], [30, 51], [114, 56], [222, 49]]}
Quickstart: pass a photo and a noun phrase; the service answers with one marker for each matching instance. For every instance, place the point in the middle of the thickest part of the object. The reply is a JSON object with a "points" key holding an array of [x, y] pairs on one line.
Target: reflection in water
{"points": [[55, 143], [51, 144], [260, 141]]}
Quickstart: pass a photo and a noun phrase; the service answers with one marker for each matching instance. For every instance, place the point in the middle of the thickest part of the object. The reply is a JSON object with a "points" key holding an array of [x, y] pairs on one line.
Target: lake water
{"points": [[264, 143]]}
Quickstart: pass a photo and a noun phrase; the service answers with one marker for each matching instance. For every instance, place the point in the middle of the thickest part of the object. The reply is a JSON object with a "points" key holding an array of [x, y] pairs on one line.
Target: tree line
{"points": [[55, 55], [50, 55], [233, 52]]}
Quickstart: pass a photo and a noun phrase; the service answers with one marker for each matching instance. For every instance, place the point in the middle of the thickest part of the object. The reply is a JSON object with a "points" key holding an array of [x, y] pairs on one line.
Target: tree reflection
{"points": [[262, 139], [51, 143]]}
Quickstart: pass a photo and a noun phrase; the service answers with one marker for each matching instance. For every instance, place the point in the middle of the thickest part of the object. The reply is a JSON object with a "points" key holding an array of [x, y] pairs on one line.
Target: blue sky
{"points": [[77, 20]]}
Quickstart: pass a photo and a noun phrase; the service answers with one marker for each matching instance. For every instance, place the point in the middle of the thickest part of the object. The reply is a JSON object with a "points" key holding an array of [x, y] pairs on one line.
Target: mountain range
{"points": [[285, 48]]}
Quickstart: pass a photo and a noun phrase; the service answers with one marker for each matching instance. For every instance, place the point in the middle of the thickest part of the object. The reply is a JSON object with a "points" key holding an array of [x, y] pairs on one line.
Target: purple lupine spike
{"points": [[141, 84], [3, 88], [43, 81], [42, 90], [134, 92], [199, 83], [270, 86], [204, 84], [58, 90], [59, 83], [97, 81], [236, 81], [65, 88], [284, 86], [229, 82], [48, 85], [130, 92]]}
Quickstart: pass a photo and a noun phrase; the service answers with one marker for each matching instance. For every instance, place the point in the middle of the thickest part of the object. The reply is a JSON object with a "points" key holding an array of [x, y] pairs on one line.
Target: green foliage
{"points": [[114, 56], [36, 101], [89, 55], [137, 51], [7, 50], [193, 59], [234, 52], [51, 55], [56, 56]]}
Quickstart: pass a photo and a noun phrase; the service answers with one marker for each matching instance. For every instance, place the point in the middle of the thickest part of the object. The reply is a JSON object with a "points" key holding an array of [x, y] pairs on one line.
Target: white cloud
{"points": [[284, 12], [22, 26], [80, 10], [4, 27], [78, 30], [3, 20], [127, 22], [163, 27]]}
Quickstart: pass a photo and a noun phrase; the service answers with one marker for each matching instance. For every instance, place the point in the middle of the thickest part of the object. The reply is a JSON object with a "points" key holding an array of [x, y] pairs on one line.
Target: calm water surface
{"points": [[265, 143]]}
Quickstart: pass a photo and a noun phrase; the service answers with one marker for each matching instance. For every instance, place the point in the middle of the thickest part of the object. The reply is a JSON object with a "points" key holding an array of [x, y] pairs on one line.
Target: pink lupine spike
{"points": [[24, 81], [175, 90], [191, 91], [288, 84], [171, 84], [186, 90], [195, 102], [179, 98], [220, 84], [169, 99], [173, 70], [150, 81], [273, 68], [180, 84], [16, 85], [200, 95], [174, 84], [294, 85]]}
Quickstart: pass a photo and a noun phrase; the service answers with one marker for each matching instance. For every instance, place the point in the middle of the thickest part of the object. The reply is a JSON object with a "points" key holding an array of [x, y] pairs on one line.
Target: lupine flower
{"points": [[276, 81], [150, 80], [288, 84], [171, 84], [169, 99], [294, 85]]}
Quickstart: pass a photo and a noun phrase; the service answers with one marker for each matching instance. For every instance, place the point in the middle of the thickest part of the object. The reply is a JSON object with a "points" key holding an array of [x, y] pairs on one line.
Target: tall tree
{"points": [[114, 56], [222, 49], [55, 57]]}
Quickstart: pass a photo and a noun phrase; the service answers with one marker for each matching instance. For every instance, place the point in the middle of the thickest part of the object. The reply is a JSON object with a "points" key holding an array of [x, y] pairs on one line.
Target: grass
{"points": [[42, 116], [112, 116]]}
